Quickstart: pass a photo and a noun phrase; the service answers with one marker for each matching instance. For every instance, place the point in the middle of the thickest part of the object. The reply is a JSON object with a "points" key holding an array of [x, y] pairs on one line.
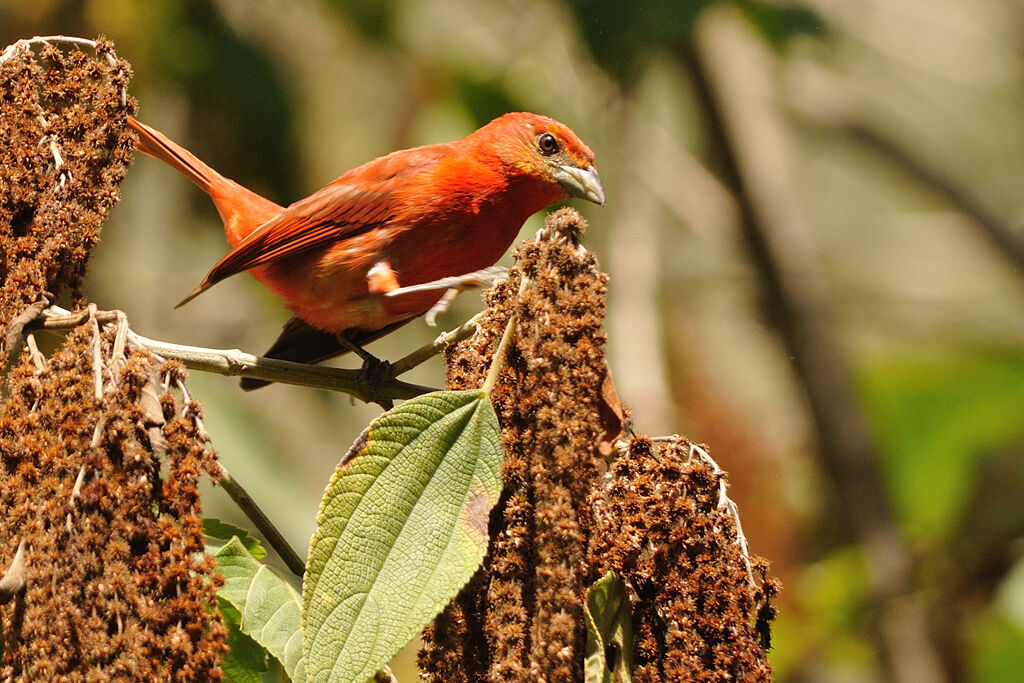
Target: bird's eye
{"points": [[548, 144]]}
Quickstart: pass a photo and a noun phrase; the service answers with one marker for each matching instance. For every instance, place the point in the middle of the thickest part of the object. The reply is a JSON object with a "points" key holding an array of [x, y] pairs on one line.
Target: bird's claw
{"points": [[373, 373]]}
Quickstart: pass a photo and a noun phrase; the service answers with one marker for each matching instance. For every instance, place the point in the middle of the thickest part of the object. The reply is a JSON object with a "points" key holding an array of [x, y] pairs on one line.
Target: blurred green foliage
{"points": [[938, 415]]}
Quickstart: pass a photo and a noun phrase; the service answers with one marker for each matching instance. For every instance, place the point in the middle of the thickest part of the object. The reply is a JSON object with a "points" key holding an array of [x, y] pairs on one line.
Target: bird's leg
{"points": [[368, 358], [453, 286], [374, 370]]}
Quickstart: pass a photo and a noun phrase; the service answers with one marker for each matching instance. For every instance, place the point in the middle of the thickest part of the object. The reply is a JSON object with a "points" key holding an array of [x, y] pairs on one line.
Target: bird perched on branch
{"points": [[342, 258]]}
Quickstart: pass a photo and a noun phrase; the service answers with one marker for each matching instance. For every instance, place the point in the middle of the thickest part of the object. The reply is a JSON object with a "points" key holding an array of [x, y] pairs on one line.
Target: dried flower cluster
{"points": [[573, 509], [117, 587], [65, 150], [98, 468], [663, 523]]}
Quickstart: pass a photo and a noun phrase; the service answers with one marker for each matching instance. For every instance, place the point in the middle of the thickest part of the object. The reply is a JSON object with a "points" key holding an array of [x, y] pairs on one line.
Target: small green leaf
{"points": [[225, 531], [609, 650], [401, 529], [245, 659], [270, 608]]}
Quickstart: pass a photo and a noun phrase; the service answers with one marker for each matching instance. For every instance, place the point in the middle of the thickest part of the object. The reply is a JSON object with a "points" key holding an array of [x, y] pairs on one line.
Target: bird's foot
{"points": [[374, 371]]}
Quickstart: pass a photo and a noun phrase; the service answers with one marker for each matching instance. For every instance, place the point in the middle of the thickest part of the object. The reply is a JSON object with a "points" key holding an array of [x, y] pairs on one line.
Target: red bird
{"points": [[408, 218]]}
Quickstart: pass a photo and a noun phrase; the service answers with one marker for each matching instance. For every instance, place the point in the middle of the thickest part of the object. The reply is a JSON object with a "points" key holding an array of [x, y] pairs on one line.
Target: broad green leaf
{"points": [[401, 528], [225, 531], [270, 608], [609, 651], [245, 659]]}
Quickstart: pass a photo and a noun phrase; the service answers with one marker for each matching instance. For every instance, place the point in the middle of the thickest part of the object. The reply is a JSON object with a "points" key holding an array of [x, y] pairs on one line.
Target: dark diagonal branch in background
{"points": [[823, 102], [998, 232], [733, 88]]}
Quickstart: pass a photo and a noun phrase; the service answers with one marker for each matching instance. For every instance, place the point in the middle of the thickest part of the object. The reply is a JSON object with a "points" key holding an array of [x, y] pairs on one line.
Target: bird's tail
{"points": [[157, 145], [241, 209]]}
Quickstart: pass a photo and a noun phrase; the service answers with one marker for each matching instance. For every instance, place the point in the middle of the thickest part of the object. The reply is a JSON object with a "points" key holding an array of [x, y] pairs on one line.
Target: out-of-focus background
{"points": [[812, 231]]}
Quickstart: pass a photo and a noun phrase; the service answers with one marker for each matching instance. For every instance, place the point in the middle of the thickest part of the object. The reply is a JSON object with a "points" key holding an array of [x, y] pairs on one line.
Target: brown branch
{"points": [[243, 500], [731, 86], [998, 232], [260, 520], [428, 351], [825, 103], [233, 362]]}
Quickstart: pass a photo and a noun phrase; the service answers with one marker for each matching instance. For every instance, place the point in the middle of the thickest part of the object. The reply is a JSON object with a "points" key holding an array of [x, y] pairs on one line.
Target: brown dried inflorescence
{"points": [[65, 150], [104, 495], [663, 522], [98, 467], [569, 514]]}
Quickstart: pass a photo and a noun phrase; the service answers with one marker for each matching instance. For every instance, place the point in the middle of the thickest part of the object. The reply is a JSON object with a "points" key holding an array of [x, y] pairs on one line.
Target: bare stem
{"points": [[256, 515], [430, 350], [234, 362], [499, 356], [13, 581]]}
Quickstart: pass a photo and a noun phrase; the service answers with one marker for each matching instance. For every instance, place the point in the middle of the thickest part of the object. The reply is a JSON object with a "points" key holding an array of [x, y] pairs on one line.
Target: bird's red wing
{"points": [[357, 202], [333, 213]]}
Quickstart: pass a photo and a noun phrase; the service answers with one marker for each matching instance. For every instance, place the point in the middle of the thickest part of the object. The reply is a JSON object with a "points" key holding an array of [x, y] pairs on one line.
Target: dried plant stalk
{"points": [[66, 149], [98, 467], [116, 583], [575, 507]]}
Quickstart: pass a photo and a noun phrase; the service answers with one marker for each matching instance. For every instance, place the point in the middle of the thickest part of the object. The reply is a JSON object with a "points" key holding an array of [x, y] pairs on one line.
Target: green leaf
{"points": [[245, 659], [401, 529], [609, 651], [270, 607], [225, 531]]}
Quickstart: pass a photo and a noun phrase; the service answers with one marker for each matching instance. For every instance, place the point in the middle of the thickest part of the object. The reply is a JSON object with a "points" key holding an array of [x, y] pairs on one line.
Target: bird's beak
{"points": [[581, 182]]}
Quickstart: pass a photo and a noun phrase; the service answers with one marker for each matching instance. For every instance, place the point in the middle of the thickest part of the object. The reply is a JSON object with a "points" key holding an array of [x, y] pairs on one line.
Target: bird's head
{"points": [[547, 151]]}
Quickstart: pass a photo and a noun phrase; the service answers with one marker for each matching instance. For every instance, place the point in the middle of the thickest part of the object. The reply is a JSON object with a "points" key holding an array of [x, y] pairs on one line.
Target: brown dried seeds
{"points": [[652, 513]]}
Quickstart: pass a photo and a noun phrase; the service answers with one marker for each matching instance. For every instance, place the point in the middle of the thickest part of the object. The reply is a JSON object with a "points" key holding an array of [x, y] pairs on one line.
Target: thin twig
{"points": [[498, 360], [233, 362], [97, 353], [37, 356], [428, 351], [824, 101], [274, 537], [724, 501], [46, 40], [76, 491], [97, 431], [239, 495], [16, 331], [117, 354], [14, 580], [187, 400]]}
